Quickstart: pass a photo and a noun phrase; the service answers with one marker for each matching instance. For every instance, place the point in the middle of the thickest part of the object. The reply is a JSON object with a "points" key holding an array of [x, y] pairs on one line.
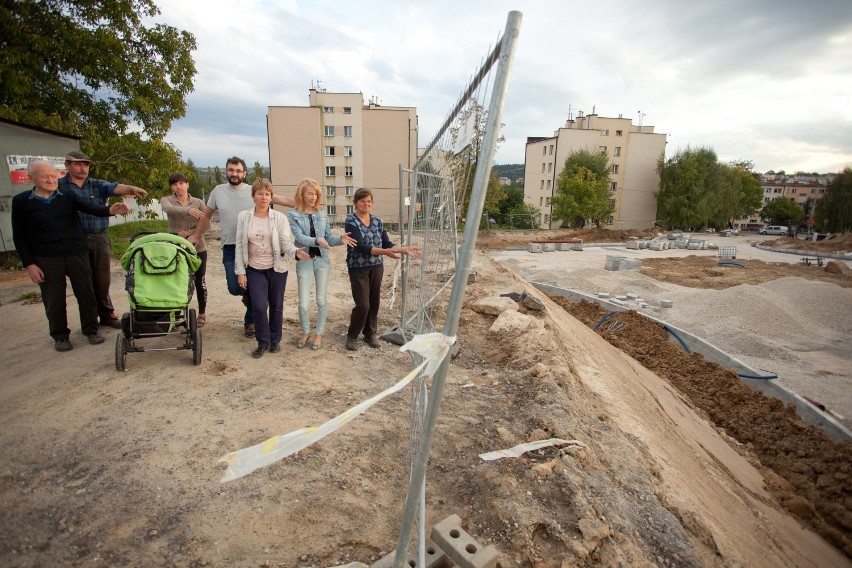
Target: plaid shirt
{"points": [[95, 191]]}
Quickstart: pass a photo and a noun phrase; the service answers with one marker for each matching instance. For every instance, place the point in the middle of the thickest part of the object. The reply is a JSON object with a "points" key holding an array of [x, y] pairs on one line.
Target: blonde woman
{"points": [[311, 230], [264, 245]]}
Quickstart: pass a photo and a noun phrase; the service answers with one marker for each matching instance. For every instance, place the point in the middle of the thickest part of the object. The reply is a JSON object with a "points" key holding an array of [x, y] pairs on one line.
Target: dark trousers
{"points": [[100, 253], [266, 288], [366, 292], [229, 254], [77, 269], [200, 284]]}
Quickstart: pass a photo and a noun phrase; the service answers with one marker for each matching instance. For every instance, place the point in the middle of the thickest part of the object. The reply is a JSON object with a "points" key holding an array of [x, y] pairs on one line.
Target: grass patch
{"points": [[31, 297], [120, 234]]}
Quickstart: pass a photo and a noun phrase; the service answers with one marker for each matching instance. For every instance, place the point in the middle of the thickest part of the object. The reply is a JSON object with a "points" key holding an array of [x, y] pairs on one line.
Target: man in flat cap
{"points": [[97, 191]]}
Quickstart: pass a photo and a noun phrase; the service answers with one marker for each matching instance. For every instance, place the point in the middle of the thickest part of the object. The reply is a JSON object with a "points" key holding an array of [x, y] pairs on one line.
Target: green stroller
{"points": [[160, 284]]}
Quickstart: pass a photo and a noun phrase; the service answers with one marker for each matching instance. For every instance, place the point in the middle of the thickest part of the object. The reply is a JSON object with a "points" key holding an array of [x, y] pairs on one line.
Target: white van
{"points": [[773, 230]]}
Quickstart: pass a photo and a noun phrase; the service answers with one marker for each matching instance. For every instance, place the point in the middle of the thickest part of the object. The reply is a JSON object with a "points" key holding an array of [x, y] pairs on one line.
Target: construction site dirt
{"points": [[677, 467]]}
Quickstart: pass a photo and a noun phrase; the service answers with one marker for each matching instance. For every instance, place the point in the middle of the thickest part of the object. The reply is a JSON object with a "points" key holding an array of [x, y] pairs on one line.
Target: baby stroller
{"points": [[160, 283]]}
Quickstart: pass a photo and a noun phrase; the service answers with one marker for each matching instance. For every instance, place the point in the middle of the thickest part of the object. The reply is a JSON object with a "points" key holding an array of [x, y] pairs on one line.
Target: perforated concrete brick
{"points": [[460, 547]]}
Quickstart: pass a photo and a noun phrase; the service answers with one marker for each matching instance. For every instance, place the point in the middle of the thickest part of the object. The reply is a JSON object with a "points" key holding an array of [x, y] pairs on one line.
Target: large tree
{"points": [[782, 211], [738, 194], [834, 211], [689, 188], [100, 70], [582, 189]]}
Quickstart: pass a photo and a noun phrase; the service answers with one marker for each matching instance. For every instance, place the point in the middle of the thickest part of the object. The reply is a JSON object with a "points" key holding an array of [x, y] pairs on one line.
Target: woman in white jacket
{"points": [[264, 245]]}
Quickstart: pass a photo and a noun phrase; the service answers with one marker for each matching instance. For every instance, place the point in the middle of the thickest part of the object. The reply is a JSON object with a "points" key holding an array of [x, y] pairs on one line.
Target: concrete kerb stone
{"points": [[835, 255], [809, 413]]}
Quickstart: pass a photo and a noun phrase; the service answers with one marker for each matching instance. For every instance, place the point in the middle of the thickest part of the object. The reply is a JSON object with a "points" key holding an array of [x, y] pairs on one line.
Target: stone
{"points": [[494, 305]]}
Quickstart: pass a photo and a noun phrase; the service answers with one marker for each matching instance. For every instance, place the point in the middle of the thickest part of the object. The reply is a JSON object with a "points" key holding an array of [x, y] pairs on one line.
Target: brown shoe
{"points": [[351, 344], [111, 322], [249, 330], [372, 342]]}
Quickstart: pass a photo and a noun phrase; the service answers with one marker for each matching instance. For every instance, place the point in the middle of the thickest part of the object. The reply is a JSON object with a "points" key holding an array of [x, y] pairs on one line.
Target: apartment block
{"points": [[344, 144], [803, 189], [632, 149]]}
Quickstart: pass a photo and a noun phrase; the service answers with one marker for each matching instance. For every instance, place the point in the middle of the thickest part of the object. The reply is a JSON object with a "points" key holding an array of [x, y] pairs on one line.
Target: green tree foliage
{"points": [[738, 194], [217, 176], [582, 190], [257, 171], [77, 63], [689, 184], [782, 212], [834, 211], [97, 69]]}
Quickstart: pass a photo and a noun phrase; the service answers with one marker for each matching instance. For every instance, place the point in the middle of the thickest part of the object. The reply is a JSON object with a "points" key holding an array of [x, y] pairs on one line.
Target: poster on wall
{"points": [[18, 166]]}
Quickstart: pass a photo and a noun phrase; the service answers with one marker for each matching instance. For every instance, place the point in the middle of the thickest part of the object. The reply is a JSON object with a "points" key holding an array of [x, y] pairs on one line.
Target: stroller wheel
{"points": [[196, 347], [120, 352]]}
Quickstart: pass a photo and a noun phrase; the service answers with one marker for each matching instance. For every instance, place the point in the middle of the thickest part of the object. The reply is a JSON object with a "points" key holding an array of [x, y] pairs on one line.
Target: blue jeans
{"points": [[266, 288], [229, 253], [316, 269]]}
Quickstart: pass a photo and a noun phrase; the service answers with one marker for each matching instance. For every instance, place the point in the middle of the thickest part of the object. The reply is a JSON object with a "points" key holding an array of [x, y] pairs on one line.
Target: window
{"points": [[329, 171], [540, 201], [546, 218], [547, 202], [542, 167], [329, 150], [542, 184], [617, 151], [550, 167], [347, 110], [350, 209], [348, 171], [544, 150], [331, 209], [609, 221], [604, 132], [330, 190], [328, 109], [350, 191], [551, 149], [347, 150], [602, 149], [329, 131], [613, 186], [615, 168], [548, 185], [347, 131], [617, 133]]}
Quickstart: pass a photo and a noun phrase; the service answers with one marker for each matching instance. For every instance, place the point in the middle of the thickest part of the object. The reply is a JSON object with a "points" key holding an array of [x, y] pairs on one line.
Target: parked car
{"points": [[773, 230]]}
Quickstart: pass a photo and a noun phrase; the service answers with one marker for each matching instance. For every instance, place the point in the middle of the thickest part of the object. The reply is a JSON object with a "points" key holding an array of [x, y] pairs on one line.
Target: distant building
{"points": [[633, 151], [805, 190], [343, 144]]}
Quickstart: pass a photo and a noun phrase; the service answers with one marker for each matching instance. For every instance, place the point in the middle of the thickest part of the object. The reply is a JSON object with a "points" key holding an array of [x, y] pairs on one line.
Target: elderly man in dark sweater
{"points": [[49, 239]]}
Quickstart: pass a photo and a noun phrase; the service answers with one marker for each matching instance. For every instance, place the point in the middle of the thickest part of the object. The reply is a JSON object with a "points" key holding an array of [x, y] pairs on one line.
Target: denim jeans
{"points": [[266, 288], [229, 253], [316, 269]]}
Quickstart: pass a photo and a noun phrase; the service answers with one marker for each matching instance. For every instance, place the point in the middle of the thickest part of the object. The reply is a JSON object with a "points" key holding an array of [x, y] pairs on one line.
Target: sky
{"points": [[767, 81]]}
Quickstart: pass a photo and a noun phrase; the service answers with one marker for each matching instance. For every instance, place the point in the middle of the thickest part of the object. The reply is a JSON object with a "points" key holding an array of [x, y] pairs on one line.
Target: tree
{"points": [[690, 183], [782, 211], [257, 171], [96, 69], [217, 175], [72, 64], [834, 211], [582, 189], [739, 194]]}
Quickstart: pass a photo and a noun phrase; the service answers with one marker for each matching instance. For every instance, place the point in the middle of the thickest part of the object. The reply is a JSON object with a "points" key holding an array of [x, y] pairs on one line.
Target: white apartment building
{"points": [[344, 144], [803, 189], [633, 151]]}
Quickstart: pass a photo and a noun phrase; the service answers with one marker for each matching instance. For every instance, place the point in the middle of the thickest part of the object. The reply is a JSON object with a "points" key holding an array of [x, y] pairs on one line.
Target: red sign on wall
{"points": [[18, 166]]}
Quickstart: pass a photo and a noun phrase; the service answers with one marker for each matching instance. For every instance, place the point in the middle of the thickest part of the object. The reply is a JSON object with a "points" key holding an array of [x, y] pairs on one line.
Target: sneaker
{"points": [[258, 353], [96, 338], [274, 348], [62, 345], [111, 322], [372, 342], [351, 344], [249, 330]]}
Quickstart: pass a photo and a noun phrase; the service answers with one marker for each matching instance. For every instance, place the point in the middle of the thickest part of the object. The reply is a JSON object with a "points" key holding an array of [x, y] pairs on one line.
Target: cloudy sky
{"points": [[763, 80]]}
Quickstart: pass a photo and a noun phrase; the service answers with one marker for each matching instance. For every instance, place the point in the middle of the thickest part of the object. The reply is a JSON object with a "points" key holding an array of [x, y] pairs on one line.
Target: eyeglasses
{"points": [[230, 171]]}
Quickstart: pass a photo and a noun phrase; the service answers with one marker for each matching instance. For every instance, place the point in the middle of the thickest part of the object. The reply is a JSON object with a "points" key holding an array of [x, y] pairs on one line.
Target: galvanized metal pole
{"points": [[477, 200]]}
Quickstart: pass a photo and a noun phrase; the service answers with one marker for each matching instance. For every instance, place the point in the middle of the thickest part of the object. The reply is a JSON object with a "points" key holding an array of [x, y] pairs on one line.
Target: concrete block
{"points": [[665, 303], [548, 247], [534, 247], [435, 558], [603, 294], [460, 547], [563, 246], [576, 246]]}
